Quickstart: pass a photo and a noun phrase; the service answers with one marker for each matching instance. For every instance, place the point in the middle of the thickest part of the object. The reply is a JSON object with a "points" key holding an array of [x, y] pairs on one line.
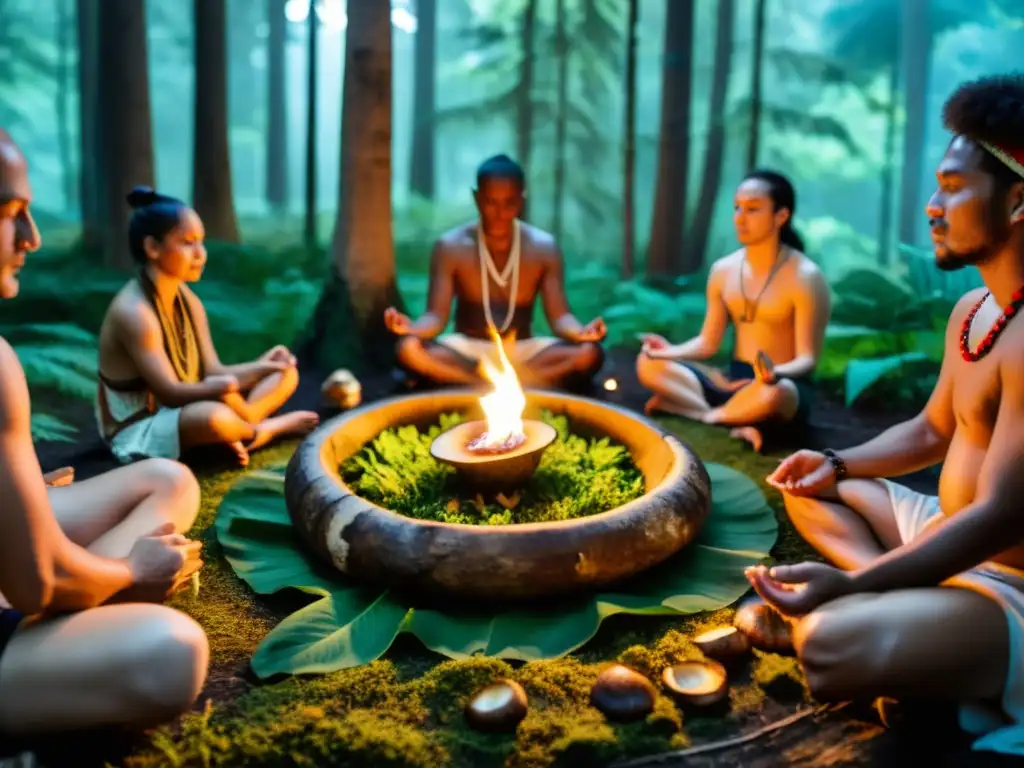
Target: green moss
{"points": [[576, 477], [406, 709]]}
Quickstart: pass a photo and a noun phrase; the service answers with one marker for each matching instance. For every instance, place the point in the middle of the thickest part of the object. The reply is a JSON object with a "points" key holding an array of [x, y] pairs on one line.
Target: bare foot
{"points": [[751, 435], [241, 452], [294, 423]]}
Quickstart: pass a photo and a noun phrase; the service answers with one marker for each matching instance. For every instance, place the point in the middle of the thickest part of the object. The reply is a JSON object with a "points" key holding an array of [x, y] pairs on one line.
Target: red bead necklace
{"points": [[994, 332]]}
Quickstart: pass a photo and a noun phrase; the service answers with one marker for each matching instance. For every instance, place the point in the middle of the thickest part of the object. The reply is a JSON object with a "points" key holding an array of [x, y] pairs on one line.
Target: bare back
{"points": [[456, 277], [115, 358], [774, 328], [130, 341], [967, 400]]}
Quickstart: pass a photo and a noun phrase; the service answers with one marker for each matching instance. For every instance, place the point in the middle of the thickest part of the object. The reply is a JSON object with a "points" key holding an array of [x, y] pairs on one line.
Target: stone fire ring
{"points": [[378, 546]]}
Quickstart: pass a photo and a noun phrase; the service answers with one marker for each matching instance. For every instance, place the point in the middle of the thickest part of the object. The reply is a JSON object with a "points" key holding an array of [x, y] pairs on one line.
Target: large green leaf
{"points": [[346, 629], [862, 374], [352, 624]]}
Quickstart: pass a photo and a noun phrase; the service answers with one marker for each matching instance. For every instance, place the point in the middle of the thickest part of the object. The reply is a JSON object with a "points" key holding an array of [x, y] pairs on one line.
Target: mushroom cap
{"points": [[764, 626], [697, 682], [621, 693], [722, 642], [497, 706]]}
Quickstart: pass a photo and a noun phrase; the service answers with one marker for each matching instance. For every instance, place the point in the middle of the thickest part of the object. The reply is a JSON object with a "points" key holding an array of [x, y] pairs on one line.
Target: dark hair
{"points": [[990, 110], [780, 190], [500, 167], [153, 215]]}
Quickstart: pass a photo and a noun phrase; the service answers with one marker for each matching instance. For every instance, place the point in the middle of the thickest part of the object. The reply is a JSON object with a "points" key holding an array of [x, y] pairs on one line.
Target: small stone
{"points": [[499, 706], [765, 626], [622, 694], [701, 683]]}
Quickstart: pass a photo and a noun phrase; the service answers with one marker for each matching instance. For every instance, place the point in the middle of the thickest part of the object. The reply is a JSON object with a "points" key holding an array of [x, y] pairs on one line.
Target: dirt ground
{"points": [[850, 736]]}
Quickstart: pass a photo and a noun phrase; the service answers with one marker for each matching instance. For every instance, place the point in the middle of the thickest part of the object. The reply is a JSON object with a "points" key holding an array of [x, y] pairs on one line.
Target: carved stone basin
{"points": [[482, 562]]}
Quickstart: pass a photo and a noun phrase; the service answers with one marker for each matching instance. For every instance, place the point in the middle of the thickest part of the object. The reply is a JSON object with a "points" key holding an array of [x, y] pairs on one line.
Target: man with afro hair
{"points": [[927, 596]]}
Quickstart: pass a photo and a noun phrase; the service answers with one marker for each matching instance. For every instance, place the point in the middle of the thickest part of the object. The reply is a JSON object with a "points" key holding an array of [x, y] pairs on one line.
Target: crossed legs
{"points": [[245, 423], [678, 390], [550, 367], [134, 664], [945, 642]]}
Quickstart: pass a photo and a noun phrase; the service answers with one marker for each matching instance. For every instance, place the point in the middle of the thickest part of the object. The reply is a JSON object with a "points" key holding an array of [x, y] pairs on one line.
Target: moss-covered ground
{"points": [[405, 709]]}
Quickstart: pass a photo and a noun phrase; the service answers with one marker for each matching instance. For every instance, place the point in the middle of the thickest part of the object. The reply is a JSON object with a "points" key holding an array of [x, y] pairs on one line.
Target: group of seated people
{"points": [[493, 271], [926, 594]]}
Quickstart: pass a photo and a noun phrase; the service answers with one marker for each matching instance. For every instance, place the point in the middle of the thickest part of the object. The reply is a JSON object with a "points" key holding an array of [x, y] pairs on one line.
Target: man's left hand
{"points": [[796, 590], [279, 354], [592, 332]]}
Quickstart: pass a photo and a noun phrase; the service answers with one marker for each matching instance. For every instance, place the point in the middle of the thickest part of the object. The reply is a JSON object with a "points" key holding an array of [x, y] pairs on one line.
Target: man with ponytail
{"points": [[84, 639], [779, 304]]}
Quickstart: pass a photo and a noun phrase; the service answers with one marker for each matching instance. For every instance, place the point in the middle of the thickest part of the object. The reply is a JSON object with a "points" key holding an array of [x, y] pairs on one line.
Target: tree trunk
{"points": [[757, 69], [63, 77], [421, 166], [211, 158], [714, 151], [311, 81], [348, 325], [629, 159], [885, 238], [90, 183], [277, 109], [561, 114], [665, 250], [524, 110], [917, 48], [125, 126]]}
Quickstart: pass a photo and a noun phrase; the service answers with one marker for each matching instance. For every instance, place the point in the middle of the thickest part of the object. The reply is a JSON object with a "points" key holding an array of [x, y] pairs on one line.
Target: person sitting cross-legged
{"points": [[162, 387], [779, 304], [926, 595], [494, 270], [84, 568]]}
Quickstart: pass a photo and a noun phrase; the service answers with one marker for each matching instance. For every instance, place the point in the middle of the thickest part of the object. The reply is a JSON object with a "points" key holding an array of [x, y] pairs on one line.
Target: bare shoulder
{"points": [[807, 272], [539, 241], [131, 312], [964, 305], [14, 397], [725, 265], [456, 238]]}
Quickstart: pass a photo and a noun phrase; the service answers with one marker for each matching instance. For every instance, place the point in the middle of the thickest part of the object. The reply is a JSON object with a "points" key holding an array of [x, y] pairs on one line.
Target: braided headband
{"points": [[1011, 158]]}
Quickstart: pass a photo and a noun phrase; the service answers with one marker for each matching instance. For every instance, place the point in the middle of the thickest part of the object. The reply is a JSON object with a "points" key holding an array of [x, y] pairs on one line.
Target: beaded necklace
{"points": [[994, 332]]}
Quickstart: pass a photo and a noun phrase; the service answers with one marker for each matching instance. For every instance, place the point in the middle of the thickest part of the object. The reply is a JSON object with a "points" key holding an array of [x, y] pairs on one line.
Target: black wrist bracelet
{"points": [[838, 465]]}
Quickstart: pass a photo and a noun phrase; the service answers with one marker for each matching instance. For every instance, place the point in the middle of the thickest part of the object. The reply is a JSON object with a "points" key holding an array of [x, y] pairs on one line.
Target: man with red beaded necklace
{"points": [[928, 596]]}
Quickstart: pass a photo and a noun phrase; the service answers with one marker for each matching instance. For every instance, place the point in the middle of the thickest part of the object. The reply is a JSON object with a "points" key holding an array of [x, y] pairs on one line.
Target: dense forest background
{"points": [[216, 101]]}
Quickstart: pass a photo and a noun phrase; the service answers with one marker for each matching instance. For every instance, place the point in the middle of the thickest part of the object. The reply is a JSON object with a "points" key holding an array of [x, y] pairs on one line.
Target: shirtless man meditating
{"points": [[162, 388], [495, 278], [779, 304], [84, 640], [928, 595]]}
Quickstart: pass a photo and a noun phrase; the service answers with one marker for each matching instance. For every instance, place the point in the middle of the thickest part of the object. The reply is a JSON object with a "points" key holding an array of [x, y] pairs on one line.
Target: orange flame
{"points": [[503, 406]]}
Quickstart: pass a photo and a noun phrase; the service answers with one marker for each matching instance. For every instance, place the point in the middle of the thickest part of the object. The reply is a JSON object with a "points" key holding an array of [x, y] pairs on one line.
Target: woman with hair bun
{"points": [[162, 388]]}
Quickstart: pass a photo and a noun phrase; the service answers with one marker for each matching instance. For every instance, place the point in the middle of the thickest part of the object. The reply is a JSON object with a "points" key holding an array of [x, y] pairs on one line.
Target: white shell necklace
{"points": [[487, 268]]}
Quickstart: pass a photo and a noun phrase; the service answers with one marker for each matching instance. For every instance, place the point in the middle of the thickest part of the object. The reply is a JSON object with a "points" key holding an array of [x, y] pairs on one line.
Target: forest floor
{"points": [[846, 736]]}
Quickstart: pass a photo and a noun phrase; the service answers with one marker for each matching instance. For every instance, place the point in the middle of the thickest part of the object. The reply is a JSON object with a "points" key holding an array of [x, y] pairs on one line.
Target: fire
{"points": [[503, 407]]}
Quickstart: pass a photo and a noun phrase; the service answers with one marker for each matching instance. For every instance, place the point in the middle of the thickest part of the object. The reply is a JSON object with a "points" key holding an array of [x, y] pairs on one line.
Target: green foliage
{"points": [[52, 429], [576, 477], [352, 624], [61, 357]]}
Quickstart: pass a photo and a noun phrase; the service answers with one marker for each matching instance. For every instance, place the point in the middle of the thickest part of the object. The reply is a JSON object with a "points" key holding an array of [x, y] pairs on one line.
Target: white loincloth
{"points": [[914, 512], [153, 436], [476, 349]]}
